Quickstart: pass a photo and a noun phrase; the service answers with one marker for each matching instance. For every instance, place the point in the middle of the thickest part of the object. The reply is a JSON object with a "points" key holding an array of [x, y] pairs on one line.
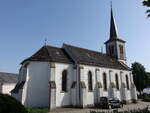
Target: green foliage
{"points": [[10, 105], [146, 99], [148, 79], [147, 3], [139, 76], [145, 110], [37, 110]]}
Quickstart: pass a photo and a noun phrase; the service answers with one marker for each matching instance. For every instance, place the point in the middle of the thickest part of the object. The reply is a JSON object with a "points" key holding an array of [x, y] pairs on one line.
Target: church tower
{"points": [[115, 46]]}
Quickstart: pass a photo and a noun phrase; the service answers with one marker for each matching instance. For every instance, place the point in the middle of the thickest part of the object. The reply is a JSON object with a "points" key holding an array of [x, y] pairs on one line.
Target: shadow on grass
{"points": [[37, 110]]}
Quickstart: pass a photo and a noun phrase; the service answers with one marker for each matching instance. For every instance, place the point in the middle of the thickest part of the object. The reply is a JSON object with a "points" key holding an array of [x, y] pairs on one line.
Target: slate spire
{"points": [[113, 27]]}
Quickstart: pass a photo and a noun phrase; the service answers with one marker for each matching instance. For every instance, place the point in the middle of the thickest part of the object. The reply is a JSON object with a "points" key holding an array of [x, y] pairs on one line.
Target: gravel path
{"points": [[139, 105]]}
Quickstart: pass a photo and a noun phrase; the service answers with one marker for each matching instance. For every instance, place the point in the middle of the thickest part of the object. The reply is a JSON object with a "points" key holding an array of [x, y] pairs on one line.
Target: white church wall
{"points": [[38, 84], [90, 101], [63, 98], [100, 78], [36, 88], [128, 95], [119, 82], [74, 93], [23, 76], [129, 80], [106, 71], [22, 94], [114, 71]]}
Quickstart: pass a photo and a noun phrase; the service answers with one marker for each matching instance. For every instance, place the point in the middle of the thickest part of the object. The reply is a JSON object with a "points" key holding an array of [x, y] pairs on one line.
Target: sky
{"points": [[25, 24]]}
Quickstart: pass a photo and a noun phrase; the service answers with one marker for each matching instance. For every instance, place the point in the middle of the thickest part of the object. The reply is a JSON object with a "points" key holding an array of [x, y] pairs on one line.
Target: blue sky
{"points": [[24, 24]]}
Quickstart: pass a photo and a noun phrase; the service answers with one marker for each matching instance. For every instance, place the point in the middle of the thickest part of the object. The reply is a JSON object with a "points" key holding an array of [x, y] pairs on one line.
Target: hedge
{"points": [[8, 104]]}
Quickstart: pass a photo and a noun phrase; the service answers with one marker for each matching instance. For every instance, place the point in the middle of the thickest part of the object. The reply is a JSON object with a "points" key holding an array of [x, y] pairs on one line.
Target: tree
{"points": [[139, 76], [147, 79], [147, 3]]}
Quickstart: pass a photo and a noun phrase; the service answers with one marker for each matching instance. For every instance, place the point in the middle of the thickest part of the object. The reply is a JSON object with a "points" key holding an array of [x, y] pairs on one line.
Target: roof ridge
{"points": [[9, 73], [85, 49], [52, 46]]}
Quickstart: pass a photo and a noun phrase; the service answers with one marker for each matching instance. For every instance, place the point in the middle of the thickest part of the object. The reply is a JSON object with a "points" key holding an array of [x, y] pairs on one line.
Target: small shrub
{"points": [[37, 110], [146, 99], [9, 104]]}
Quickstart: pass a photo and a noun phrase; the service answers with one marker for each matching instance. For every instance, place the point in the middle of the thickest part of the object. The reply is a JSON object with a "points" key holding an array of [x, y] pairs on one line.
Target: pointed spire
{"points": [[113, 27]]}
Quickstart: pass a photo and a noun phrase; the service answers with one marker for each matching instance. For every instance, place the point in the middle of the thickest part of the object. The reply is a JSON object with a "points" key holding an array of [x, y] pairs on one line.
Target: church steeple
{"points": [[113, 27], [115, 46]]}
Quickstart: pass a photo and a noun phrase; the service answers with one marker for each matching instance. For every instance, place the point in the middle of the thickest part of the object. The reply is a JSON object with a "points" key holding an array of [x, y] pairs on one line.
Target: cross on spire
{"points": [[45, 41], [111, 3]]}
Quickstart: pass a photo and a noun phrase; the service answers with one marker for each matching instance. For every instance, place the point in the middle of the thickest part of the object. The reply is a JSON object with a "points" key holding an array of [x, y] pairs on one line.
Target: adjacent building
{"points": [[7, 82]]}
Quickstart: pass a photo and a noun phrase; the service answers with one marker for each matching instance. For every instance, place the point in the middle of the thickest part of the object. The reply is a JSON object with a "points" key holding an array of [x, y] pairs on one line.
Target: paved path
{"points": [[139, 105]]}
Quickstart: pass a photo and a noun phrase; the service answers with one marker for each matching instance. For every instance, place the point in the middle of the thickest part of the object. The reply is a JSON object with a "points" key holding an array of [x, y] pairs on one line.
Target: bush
{"points": [[9, 104], [146, 99]]}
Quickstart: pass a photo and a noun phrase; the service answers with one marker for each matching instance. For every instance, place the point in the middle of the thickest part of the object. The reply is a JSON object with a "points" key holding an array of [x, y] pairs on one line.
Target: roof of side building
{"points": [[8, 77]]}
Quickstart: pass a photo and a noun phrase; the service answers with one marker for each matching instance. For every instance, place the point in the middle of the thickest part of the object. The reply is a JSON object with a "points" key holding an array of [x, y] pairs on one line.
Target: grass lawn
{"points": [[37, 110], [144, 110]]}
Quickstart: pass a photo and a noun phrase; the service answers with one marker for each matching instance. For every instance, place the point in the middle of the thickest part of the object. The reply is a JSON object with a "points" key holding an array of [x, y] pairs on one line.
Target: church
{"points": [[71, 76]]}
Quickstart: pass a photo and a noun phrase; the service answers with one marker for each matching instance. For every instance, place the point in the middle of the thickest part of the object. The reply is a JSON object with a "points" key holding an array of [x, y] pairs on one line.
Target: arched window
{"points": [[104, 81], [121, 51], [111, 49], [117, 81], [64, 81], [127, 81], [90, 86]]}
